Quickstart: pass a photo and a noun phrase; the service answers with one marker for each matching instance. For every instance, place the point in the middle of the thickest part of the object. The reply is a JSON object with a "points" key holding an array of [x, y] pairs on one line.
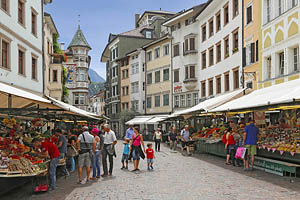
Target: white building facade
{"points": [[220, 48], [137, 80], [21, 42]]}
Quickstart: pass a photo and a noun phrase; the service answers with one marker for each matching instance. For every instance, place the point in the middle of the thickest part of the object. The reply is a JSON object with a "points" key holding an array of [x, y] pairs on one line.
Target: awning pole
{"points": [[9, 105]]}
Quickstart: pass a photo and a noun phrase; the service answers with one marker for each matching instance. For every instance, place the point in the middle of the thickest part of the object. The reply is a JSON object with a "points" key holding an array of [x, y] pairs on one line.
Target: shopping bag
{"points": [[240, 153]]}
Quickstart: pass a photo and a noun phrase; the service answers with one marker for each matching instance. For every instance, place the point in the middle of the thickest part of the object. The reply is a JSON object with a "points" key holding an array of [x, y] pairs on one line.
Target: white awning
{"points": [[282, 93], [18, 98], [156, 119], [139, 120]]}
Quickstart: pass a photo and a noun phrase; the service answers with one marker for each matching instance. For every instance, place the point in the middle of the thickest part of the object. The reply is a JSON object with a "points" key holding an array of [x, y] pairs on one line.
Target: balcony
{"points": [[188, 52], [190, 83], [57, 59]]}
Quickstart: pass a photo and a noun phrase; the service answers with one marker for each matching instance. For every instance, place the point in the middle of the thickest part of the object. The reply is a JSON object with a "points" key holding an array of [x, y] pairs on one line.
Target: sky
{"points": [[99, 18]]}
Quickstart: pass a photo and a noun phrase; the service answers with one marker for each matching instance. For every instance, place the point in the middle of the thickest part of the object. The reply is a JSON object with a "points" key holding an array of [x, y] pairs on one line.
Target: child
{"points": [[125, 154], [150, 156]]}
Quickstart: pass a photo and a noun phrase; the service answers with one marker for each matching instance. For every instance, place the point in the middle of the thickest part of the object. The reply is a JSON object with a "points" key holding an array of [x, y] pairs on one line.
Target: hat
{"points": [[131, 124], [85, 128], [95, 131]]}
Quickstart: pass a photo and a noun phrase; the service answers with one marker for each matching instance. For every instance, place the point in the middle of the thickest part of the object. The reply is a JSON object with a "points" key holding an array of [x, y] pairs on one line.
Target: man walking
{"points": [[250, 142], [62, 148], [108, 150], [185, 136], [173, 139], [129, 131], [85, 143]]}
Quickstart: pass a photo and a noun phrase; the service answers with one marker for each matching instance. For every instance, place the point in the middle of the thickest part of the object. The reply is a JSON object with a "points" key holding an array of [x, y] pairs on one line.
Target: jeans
{"points": [[64, 167], [72, 163], [157, 145], [104, 161], [96, 164], [53, 165], [173, 145]]}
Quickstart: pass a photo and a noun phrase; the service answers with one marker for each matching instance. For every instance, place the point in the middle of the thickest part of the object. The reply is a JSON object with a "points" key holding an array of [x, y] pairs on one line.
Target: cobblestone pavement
{"points": [[174, 177], [179, 177]]}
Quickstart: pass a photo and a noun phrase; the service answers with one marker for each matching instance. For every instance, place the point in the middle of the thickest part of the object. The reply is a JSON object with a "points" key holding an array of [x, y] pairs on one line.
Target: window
{"points": [[148, 34], [143, 86], [34, 68], [176, 50], [203, 32], [114, 53], [149, 56], [173, 28], [189, 44], [268, 11], [135, 87], [21, 62], [182, 100], [195, 95], [4, 5], [235, 7], [218, 49], [149, 78], [82, 99], [211, 87], [203, 89], [176, 76], [135, 105], [192, 44], [76, 99], [176, 101], [226, 15], [190, 72], [82, 75], [149, 102], [135, 68], [218, 84], [280, 7], [178, 25], [189, 100], [226, 80], [249, 14], [211, 56], [218, 22], [236, 79], [157, 76], [166, 50], [124, 73], [54, 75], [157, 101], [203, 59], [157, 53], [5, 54], [33, 23], [235, 40], [294, 3], [249, 85], [296, 58], [21, 14], [226, 47], [166, 99], [211, 27], [281, 63], [166, 74]]}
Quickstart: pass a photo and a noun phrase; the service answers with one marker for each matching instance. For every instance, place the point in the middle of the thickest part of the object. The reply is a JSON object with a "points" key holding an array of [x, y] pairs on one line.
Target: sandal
{"points": [[228, 163]]}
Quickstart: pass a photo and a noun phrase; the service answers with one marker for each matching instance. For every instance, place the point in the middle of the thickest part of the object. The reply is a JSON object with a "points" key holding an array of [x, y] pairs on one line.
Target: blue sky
{"points": [[101, 17]]}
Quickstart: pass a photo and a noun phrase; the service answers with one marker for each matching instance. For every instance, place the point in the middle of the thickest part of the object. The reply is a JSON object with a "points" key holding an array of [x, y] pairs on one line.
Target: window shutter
{"points": [[117, 53], [252, 53], [244, 57], [256, 51], [183, 47]]}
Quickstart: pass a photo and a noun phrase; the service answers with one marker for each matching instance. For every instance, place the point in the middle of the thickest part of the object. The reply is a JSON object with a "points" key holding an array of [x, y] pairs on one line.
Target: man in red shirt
{"points": [[49, 150], [150, 156]]}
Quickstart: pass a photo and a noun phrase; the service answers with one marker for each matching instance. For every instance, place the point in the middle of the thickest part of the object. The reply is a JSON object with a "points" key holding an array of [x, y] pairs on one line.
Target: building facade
{"points": [[52, 61], [158, 77], [21, 42], [125, 83], [77, 64], [96, 103], [220, 48], [280, 42]]}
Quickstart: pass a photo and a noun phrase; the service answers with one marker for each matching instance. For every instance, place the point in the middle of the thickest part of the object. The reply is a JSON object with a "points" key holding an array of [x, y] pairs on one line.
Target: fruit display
{"points": [[211, 135]]}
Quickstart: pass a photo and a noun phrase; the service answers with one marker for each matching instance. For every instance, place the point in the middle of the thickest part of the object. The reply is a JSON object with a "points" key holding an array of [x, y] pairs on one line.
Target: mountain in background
{"points": [[95, 77], [94, 88]]}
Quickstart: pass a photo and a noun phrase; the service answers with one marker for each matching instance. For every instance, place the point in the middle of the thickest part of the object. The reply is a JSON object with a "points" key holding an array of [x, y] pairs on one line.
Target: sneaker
{"points": [[104, 175], [148, 168], [246, 169], [151, 167], [110, 174], [122, 168]]}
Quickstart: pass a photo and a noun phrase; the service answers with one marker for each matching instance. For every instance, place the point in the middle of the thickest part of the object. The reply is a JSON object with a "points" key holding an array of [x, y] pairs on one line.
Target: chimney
{"points": [[62, 46], [137, 17]]}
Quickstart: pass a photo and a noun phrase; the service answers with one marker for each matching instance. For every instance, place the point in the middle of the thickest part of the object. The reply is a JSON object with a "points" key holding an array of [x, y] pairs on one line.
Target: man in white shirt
{"points": [[108, 150]]}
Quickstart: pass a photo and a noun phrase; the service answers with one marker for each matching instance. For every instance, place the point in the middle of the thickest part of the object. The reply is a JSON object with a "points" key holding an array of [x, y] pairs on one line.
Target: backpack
{"points": [[224, 139]]}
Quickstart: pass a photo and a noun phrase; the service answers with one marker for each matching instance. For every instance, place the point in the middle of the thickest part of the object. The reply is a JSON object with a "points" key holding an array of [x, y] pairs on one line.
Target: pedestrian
{"points": [[229, 146], [96, 154], [157, 139], [62, 146], [150, 156], [185, 137], [250, 141], [125, 154], [72, 152], [238, 143], [136, 149], [49, 150], [129, 133], [85, 143], [173, 139], [48, 132], [108, 150]]}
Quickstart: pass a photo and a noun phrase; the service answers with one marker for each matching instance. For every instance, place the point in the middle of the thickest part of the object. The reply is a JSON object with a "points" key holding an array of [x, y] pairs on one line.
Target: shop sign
{"points": [[178, 89], [259, 117]]}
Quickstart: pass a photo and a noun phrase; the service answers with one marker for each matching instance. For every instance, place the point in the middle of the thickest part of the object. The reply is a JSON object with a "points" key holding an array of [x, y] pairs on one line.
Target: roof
{"points": [[156, 41], [50, 21], [136, 32], [79, 40], [156, 12]]}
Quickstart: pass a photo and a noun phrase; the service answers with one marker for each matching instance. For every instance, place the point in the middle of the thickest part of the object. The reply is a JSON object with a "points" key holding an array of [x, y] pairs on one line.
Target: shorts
{"points": [[84, 160], [125, 158], [229, 149], [135, 155], [251, 149], [183, 144], [150, 160]]}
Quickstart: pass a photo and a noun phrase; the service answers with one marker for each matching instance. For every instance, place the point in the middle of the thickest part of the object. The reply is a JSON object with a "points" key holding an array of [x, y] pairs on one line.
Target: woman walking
{"points": [[157, 139], [136, 144], [72, 152], [97, 152]]}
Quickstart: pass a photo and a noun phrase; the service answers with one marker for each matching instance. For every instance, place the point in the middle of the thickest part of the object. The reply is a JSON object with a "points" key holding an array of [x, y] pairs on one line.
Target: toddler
{"points": [[125, 154], [150, 156]]}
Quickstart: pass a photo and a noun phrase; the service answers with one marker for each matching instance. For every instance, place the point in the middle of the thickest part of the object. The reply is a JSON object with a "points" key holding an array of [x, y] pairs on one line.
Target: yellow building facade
{"points": [[125, 83]]}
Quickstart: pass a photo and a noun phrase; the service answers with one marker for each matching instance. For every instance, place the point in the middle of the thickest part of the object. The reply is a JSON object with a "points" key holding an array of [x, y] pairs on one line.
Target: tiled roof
{"points": [[136, 32], [79, 40]]}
